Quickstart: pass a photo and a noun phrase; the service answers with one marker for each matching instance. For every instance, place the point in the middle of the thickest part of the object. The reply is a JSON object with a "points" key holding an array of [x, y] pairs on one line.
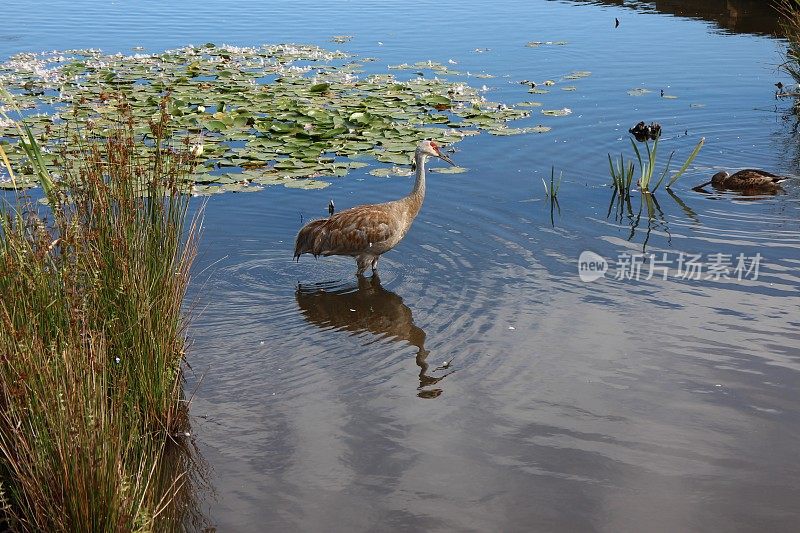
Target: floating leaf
{"points": [[268, 180], [640, 91], [240, 187], [319, 87], [206, 190], [569, 88], [507, 131], [385, 172], [449, 170], [216, 125], [578, 74], [557, 112], [535, 44], [397, 159], [305, 184]]}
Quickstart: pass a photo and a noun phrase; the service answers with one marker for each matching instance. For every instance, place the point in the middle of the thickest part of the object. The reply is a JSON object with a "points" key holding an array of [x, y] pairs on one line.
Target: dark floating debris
{"points": [[643, 131], [331, 207], [616, 22]]}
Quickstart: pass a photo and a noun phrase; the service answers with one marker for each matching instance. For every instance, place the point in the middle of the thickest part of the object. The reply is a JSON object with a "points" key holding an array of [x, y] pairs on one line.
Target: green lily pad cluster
{"points": [[536, 87], [436, 67], [290, 115]]}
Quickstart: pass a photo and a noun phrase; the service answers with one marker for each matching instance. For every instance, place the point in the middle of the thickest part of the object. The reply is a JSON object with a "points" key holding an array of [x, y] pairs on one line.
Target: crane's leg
{"points": [[363, 262]]}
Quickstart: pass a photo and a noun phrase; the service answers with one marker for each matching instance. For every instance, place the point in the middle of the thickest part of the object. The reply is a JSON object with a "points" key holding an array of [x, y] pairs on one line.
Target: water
{"points": [[614, 405]]}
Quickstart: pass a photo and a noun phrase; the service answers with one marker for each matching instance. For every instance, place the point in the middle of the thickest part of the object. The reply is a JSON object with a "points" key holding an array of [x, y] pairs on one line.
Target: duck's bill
{"points": [[444, 157]]}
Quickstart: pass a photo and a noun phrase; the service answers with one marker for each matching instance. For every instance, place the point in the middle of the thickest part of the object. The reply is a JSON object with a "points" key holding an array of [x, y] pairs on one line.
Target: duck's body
{"points": [[749, 179], [746, 179], [368, 231]]}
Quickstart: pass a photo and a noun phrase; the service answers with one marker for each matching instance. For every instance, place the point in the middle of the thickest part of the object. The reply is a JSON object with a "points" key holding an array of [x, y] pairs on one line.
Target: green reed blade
{"points": [[687, 163]]}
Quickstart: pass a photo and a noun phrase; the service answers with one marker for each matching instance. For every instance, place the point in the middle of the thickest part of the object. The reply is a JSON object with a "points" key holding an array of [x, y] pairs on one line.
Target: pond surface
{"points": [[662, 404]]}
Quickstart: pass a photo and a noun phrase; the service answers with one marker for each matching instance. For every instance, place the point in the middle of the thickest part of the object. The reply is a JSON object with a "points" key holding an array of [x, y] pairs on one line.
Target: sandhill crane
{"points": [[748, 180], [367, 231]]}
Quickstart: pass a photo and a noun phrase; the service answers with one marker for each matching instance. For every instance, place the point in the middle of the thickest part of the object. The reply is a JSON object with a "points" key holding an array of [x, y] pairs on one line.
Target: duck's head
{"points": [[719, 177]]}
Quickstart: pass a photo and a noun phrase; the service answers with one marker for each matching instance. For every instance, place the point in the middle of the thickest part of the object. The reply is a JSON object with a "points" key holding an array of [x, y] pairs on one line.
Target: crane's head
{"points": [[431, 148]]}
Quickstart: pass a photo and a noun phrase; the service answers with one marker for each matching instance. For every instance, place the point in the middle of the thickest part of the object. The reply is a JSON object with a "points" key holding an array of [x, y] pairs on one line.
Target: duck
{"points": [[749, 180]]}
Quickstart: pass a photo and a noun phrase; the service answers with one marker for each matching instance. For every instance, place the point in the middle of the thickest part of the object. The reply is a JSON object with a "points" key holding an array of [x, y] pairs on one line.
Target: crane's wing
{"points": [[350, 232], [356, 230]]}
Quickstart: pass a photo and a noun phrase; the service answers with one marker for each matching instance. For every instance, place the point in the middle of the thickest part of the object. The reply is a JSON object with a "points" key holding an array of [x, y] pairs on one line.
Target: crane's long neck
{"points": [[414, 200], [419, 185]]}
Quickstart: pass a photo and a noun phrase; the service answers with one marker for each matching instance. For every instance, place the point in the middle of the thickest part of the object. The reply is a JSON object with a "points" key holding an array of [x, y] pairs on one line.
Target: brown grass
{"points": [[92, 340]]}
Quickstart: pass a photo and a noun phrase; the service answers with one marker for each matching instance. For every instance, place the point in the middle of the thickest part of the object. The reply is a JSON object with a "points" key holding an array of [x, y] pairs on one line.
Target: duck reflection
{"points": [[370, 307]]}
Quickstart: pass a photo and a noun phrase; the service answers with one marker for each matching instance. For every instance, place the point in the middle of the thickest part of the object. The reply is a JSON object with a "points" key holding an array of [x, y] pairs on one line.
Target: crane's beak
{"points": [[444, 157]]}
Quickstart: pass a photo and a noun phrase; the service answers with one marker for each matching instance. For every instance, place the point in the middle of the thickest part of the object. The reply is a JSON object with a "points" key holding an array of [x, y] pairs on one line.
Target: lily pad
{"points": [[319, 87], [397, 159], [449, 170], [557, 112], [305, 184], [536, 44], [578, 74], [385, 172], [240, 187], [503, 131], [639, 91]]}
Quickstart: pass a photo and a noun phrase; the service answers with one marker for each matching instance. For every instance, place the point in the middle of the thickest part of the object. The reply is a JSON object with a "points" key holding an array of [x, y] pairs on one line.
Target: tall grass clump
{"points": [[92, 337], [789, 12], [622, 174]]}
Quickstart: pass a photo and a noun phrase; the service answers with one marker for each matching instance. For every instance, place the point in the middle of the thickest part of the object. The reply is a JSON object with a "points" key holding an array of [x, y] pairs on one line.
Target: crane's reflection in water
{"points": [[369, 307]]}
